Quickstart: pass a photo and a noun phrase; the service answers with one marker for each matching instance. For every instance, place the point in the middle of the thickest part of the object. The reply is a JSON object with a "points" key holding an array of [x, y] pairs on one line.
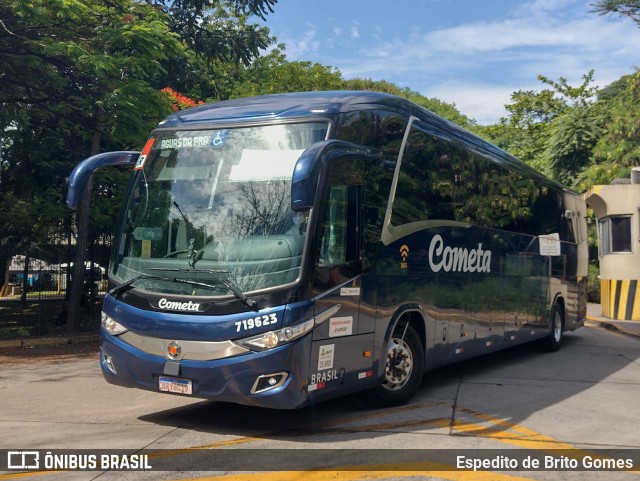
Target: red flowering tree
{"points": [[179, 101]]}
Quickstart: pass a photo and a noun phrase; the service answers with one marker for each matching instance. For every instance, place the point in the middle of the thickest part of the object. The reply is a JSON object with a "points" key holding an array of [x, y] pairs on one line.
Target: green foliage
{"points": [[219, 40], [218, 29], [272, 73], [552, 130], [579, 136], [82, 76], [571, 140], [526, 143], [593, 284], [627, 8], [73, 80], [618, 148], [579, 96]]}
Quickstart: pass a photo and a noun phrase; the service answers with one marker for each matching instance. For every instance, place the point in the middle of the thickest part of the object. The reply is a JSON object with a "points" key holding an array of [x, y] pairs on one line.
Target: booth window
{"points": [[615, 235]]}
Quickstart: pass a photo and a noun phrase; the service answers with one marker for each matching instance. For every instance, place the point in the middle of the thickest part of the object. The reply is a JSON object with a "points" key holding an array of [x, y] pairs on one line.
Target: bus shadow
{"points": [[496, 392]]}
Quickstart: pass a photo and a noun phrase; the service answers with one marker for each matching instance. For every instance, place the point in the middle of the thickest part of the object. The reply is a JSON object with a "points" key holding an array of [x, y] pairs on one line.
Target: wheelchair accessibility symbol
{"points": [[219, 140]]}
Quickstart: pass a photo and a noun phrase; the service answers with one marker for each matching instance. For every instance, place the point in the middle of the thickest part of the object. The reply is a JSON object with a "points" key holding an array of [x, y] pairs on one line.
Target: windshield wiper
{"points": [[247, 301], [116, 290]]}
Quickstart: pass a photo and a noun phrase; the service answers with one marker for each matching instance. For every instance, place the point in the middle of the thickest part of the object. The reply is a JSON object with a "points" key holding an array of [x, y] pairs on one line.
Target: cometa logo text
{"points": [[457, 259], [178, 306]]}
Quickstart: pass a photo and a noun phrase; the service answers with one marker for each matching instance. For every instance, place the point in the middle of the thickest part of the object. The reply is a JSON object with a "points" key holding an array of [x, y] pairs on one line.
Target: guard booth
{"points": [[617, 208]]}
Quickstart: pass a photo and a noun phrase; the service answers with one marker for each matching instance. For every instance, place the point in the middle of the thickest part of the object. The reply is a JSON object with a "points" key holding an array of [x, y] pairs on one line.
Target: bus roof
{"points": [[283, 106], [318, 103]]}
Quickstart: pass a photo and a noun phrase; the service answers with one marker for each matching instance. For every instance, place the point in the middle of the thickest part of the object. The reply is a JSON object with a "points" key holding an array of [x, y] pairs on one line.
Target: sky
{"points": [[470, 53]]}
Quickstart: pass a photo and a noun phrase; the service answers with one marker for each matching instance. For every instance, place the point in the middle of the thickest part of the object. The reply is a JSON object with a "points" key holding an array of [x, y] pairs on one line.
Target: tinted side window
{"points": [[614, 235], [479, 192], [374, 128], [339, 239], [381, 130], [443, 179], [488, 194], [425, 183], [621, 234]]}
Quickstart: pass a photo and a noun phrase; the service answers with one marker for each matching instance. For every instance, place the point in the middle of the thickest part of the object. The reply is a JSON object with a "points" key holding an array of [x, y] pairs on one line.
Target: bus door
{"points": [[342, 355]]}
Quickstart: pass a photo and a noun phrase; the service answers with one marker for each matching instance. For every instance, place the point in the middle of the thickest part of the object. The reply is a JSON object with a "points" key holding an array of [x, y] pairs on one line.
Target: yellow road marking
{"points": [[522, 437], [406, 470], [24, 475]]}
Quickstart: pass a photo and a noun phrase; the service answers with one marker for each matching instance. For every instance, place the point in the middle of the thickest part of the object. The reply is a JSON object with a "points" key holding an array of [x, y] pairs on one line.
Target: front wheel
{"points": [[403, 370]]}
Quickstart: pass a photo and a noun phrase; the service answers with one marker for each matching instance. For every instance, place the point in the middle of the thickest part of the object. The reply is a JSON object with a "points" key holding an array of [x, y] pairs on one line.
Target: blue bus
{"points": [[282, 250]]}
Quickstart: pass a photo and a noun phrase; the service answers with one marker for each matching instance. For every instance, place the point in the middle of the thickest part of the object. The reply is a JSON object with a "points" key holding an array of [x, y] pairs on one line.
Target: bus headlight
{"points": [[112, 326], [271, 339]]}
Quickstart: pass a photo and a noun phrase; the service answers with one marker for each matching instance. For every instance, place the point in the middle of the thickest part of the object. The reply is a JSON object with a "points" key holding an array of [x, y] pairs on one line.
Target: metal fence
{"points": [[34, 289]]}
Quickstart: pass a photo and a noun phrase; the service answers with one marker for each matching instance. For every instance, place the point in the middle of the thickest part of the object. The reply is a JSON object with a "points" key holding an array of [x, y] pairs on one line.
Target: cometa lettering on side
{"points": [[457, 259]]}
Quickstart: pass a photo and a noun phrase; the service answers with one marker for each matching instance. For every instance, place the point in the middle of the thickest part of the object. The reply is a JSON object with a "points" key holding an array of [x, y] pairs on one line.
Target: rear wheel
{"points": [[403, 369], [554, 340]]}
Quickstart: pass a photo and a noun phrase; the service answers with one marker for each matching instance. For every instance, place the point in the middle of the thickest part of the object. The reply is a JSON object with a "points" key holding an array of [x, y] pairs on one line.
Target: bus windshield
{"points": [[213, 205]]}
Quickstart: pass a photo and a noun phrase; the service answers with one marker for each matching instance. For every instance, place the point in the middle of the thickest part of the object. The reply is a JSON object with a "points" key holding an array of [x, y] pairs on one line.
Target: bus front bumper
{"points": [[270, 379]]}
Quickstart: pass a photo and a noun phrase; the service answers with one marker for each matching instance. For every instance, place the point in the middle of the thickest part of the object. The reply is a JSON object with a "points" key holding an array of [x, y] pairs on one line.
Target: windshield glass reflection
{"points": [[216, 200]]}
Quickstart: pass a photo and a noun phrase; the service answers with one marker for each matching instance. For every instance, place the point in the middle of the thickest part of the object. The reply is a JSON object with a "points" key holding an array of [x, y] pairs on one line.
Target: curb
{"points": [[49, 341], [615, 326]]}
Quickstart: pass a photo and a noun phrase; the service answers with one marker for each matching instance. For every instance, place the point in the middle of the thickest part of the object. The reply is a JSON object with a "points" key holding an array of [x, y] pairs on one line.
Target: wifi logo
{"points": [[404, 252]]}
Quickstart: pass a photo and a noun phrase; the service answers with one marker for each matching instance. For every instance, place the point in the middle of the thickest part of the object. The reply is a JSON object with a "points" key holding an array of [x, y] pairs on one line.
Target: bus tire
{"points": [[554, 340], [404, 367]]}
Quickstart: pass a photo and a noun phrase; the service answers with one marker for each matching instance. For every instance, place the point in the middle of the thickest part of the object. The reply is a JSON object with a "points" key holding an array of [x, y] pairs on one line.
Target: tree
{"points": [[533, 120], [618, 148], [627, 8], [74, 76], [82, 76], [572, 138], [220, 38], [272, 73], [218, 29], [179, 101]]}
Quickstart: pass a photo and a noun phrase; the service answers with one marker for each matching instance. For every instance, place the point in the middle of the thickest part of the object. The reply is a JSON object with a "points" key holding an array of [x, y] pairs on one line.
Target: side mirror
{"points": [[312, 162], [82, 172]]}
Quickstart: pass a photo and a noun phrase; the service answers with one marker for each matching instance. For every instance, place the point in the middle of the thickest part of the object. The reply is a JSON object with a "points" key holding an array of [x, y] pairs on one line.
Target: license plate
{"points": [[175, 385]]}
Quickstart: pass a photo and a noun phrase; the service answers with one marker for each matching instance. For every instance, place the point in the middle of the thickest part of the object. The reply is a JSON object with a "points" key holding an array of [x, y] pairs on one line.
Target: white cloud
{"points": [[512, 38], [537, 8], [589, 34], [303, 46], [484, 103], [478, 64]]}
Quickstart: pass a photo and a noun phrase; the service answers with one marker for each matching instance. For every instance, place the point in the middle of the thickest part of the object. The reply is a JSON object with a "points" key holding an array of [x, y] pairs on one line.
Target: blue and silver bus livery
{"points": [[283, 250]]}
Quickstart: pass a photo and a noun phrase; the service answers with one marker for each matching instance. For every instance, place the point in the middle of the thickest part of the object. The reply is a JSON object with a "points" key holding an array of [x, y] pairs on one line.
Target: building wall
{"points": [[620, 299], [619, 271]]}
